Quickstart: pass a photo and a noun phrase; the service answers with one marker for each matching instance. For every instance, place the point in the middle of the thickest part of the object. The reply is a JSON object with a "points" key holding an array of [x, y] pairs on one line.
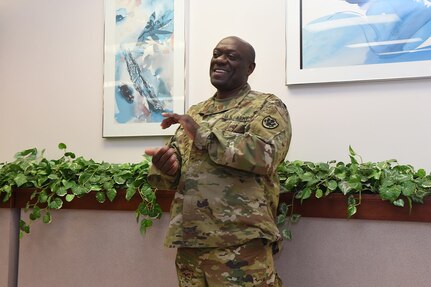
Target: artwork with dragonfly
{"points": [[144, 66]]}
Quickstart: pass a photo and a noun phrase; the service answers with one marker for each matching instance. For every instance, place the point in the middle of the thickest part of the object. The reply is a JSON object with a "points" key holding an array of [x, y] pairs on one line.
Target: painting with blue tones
{"points": [[336, 33], [144, 65], [144, 33]]}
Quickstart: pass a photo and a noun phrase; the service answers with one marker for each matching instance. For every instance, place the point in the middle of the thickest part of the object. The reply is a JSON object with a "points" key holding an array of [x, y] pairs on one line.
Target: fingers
{"points": [[170, 119], [187, 122], [163, 154], [174, 168], [151, 151], [168, 115], [166, 123], [165, 159]]}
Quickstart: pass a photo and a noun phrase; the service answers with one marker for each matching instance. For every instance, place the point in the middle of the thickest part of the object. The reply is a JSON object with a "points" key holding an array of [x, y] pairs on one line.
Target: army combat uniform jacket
{"points": [[227, 190]]}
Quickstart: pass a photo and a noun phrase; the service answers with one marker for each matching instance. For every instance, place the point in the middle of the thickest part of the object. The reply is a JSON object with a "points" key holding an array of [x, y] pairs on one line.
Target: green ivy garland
{"points": [[392, 181], [68, 177], [63, 179]]}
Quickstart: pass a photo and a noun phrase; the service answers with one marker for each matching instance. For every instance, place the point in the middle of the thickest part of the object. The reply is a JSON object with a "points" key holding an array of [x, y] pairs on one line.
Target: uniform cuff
{"points": [[202, 138]]}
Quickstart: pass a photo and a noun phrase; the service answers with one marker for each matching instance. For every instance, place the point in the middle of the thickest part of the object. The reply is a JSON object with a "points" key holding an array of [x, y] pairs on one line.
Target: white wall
{"points": [[51, 79], [51, 73]]}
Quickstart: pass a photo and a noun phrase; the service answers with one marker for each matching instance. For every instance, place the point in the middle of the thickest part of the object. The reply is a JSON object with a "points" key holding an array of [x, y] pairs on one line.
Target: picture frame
{"points": [[144, 66], [346, 41]]}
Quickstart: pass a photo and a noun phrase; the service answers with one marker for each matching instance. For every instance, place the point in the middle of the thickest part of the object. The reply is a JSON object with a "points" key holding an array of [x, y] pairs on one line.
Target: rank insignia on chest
{"points": [[269, 122]]}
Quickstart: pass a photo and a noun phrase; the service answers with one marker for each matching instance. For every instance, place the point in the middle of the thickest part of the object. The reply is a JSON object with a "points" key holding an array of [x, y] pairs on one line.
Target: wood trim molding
{"points": [[331, 206], [21, 196], [372, 207]]}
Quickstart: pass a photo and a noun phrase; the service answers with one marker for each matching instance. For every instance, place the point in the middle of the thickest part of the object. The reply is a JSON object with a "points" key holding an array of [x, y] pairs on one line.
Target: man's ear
{"points": [[251, 67]]}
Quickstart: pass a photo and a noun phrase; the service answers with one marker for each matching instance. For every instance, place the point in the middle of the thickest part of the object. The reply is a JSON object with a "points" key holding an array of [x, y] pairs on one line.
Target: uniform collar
{"points": [[212, 106]]}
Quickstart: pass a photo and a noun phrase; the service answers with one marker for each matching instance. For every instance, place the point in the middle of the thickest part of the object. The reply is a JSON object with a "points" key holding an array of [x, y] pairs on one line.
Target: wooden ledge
{"points": [[332, 206], [372, 207], [21, 196]]}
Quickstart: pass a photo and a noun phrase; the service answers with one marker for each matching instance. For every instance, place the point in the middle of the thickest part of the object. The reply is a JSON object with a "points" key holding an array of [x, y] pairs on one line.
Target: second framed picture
{"points": [[357, 40]]}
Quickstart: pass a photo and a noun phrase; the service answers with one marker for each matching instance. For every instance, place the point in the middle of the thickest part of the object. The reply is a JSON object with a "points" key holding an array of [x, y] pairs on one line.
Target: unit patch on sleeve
{"points": [[269, 122]]}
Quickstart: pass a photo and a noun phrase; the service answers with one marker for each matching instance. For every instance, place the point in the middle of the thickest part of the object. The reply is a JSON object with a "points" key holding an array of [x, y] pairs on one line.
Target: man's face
{"points": [[230, 65]]}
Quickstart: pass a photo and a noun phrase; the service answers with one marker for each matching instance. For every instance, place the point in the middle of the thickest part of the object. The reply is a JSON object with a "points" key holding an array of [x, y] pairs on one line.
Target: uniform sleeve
{"points": [[260, 148], [159, 180]]}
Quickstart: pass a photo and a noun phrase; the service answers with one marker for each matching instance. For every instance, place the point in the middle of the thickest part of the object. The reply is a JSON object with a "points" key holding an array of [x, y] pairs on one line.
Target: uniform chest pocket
{"points": [[238, 125]]}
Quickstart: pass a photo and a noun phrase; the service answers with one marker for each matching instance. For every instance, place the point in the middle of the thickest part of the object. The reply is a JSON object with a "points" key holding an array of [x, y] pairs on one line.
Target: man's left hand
{"points": [[187, 122]]}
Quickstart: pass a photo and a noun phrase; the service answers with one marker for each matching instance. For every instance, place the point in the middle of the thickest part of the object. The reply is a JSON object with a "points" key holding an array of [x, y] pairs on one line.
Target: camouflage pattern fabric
{"points": [[250, 264], [228, 188]]}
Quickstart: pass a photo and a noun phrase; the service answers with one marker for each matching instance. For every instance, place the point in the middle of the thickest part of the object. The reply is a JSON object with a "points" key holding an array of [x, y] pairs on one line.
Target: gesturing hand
{"points": [[165, 159], [187, 122]]}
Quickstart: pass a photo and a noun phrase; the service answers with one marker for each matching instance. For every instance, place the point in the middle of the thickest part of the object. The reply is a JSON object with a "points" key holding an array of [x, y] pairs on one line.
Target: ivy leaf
{"points": [[47, 218], [70, 197], [148, 193], [111, 193], [340, 173], [53, 176], [390, 193], [308, 176], [68, 184], [319, 193], [399, 202], [281, 219], [355, 183], [62, 146], [284, 208], [131, 190], [119, 179], [332, 185], [304, 194], [351, 206], [143, 209], [100, 196], [20, 179], [344, 187], [145, 224], [421, 173], [95, 188], [24, 226], [426, 184], [353, 160], [351, 151], [351, 210], [43, 197], [62, 191], [79, 190], [24, 153], [69, 154], [35, 214], [57, 203], [287, 234], [294, 218], [408, 188]]}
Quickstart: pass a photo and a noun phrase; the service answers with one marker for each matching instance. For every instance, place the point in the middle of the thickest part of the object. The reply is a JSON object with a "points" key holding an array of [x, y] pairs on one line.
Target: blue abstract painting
{"points": [[143, 57], [338, 33]]}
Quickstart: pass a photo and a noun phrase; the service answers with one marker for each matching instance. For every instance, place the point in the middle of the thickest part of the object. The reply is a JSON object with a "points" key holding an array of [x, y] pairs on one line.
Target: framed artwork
{"points": [[357, 40], [144, 66]]}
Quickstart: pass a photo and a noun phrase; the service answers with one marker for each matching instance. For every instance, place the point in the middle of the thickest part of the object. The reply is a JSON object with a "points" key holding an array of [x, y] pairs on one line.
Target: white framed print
{"points": [[357, 40], [143, 66]]}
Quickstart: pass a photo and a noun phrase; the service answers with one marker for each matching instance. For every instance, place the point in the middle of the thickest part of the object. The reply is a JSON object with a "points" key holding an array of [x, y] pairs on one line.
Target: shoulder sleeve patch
{"points": [[269, 122]]}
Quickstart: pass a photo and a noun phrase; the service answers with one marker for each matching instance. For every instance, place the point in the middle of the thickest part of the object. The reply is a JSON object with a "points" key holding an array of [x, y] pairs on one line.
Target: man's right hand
{"points": [[165, 159]]}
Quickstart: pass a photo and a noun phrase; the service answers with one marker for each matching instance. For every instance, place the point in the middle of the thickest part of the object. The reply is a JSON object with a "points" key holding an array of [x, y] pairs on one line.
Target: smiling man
{"points": [[222, 163]]}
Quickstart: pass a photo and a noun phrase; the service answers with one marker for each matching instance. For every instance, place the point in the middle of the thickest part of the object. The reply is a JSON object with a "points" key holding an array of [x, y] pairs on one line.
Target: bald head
{"points": [[248, 48]]}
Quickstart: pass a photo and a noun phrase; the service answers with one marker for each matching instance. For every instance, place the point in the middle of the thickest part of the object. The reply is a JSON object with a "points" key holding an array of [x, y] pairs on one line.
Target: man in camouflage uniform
{"points": [[222, 162]]}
